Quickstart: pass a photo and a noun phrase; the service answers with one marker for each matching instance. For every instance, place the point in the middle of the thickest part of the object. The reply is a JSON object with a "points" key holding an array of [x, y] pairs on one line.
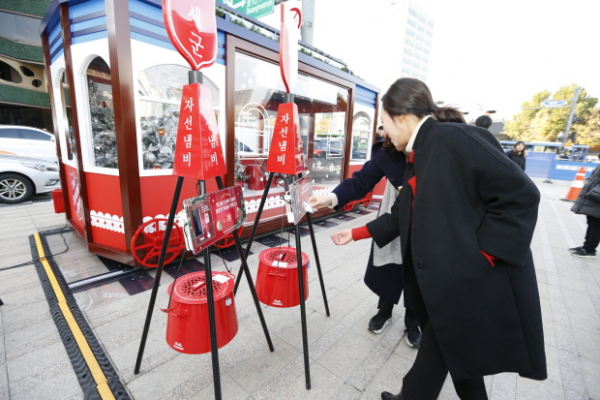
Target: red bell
{"points": [[187, 325], [277, 278]]}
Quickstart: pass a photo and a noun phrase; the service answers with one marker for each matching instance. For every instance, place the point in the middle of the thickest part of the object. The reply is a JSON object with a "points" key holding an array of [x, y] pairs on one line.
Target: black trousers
{"points": [[592, 235], [410, 318], [425, 379]]}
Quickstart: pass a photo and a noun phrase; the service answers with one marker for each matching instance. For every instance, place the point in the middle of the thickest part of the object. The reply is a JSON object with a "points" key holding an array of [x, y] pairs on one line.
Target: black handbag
{"points": [[594, 194]]}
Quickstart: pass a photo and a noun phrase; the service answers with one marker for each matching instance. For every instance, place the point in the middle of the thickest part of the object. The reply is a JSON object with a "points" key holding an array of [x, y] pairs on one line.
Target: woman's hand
{"points": [[342, 237], [317, 202]]}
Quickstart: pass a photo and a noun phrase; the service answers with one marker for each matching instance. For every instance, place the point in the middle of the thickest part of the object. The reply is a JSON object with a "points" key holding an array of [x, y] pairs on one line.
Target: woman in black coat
{"points": [[384, 279], [518, 155], [589, 207], [465, 227]]}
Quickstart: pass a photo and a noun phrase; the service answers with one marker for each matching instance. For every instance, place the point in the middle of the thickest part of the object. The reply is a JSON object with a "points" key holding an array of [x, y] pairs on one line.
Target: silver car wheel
{"points": [[14, 188]]}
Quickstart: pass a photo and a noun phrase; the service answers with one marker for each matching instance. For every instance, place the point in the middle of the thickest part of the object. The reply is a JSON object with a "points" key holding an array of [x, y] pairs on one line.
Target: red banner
{"points": [[212, 217], [198, 152], [291, 19], [192, 28], [285, 153]]}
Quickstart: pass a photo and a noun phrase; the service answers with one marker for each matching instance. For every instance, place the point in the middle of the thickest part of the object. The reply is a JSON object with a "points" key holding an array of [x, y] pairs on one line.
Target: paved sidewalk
{"points": [[347, 361]]}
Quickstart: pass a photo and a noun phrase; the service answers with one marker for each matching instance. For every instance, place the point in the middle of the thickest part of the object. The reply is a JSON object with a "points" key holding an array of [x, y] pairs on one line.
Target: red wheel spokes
{"points": [[149, 247]]}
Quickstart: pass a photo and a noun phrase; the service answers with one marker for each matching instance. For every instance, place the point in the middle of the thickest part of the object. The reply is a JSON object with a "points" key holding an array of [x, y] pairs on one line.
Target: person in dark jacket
{"points": [[465, 219], [517, 154], [384, 270], [591, 209]]}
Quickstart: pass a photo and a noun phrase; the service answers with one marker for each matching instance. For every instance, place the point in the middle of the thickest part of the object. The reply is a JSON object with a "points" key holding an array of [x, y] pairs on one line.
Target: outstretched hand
{"points": [[317, 201], [342, 237]]}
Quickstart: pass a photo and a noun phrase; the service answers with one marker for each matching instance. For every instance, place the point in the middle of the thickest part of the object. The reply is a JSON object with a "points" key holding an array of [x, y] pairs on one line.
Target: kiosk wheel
{"points": [[148, 239]]}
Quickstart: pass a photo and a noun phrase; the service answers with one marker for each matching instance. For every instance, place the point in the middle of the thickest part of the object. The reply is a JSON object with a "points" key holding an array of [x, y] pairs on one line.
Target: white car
{"points": [[22, 177], [27, 142]]}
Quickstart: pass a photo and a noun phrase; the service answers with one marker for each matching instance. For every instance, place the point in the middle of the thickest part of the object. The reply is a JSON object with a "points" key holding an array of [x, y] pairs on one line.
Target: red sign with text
{"points": [[198, 152], [291, 19], [285, 154], [213, 216], [192, 28]]}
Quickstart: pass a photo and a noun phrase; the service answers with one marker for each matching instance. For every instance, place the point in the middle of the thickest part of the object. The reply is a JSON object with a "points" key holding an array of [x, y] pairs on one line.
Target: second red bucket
{"points": [[187, 325], [277, 278]]}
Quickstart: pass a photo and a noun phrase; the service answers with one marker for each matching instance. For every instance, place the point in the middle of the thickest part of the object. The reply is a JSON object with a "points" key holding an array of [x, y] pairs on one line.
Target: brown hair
{"points": [[412, 96], [515, 151]]}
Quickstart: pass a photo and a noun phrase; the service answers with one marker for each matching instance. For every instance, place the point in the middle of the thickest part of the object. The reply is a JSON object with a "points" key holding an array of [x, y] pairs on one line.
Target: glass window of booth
{"points": [[322, 108], [102, 116], [71, 148], [362, 130], [159, 93]]}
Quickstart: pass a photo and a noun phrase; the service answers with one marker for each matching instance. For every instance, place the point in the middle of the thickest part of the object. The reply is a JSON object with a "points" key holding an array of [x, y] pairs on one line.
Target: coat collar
{"points": [[423, 133]]}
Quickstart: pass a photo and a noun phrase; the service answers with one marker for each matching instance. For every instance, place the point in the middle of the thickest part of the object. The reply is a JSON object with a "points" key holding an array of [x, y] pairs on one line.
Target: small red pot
{"points": [[277, 278], [187, 324]]}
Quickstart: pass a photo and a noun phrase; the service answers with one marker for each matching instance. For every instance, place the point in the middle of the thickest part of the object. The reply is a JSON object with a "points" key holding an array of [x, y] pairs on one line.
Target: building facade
{"points": [[23, 93]]}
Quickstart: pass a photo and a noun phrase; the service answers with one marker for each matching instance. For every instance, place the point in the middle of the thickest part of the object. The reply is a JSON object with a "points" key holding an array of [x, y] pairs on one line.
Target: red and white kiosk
{"points": [[115, 87]]}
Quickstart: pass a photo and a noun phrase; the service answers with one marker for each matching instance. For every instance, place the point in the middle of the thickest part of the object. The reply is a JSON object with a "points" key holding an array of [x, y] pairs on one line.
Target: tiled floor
{"points": [[347, 361]]}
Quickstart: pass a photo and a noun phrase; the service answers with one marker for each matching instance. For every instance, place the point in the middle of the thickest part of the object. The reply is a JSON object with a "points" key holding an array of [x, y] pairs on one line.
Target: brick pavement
{"points": [[347, 361]]}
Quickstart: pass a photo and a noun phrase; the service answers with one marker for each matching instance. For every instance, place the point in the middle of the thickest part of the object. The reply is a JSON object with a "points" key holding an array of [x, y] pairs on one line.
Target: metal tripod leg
{"points": [[245, 268], [314, 245], [254, 227], [214, 349], [159, 270], [302, 308]]}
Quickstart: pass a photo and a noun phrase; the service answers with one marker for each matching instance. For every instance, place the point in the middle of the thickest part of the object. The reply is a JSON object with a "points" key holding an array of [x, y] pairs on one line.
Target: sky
{"points": [[499, 53]]}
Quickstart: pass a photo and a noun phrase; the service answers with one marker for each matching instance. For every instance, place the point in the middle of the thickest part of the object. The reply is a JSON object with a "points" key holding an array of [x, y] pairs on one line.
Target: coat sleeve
{"points": [[386, 228], [361, 183], [511, 200]]}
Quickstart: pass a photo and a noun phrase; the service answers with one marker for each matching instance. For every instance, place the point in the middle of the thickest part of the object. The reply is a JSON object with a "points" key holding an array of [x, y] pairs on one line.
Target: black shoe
{"points": [[582, 253], [380, 321], [413, 337], [389, 396], [574, 249]]}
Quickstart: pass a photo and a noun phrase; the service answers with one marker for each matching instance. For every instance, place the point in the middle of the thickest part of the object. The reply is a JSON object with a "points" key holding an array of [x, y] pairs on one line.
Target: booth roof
{"points": [[51, 18]]}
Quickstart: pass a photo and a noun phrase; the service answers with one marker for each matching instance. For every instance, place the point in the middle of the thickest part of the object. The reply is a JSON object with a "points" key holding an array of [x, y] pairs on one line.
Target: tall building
{"points": [[418, 36], [381, 40], [23, 94]]}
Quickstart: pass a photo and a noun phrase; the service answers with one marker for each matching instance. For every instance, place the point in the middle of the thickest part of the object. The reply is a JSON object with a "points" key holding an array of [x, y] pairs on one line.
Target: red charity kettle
{"points": [[187, 324], [277, 278]]}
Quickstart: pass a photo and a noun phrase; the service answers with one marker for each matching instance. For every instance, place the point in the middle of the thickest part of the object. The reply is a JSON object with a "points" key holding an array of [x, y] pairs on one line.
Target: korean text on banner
{"points": [[198, 152], [285, 154]]}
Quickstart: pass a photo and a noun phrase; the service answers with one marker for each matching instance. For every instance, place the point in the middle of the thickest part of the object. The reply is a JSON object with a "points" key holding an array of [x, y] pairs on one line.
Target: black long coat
{"points": [[471, 197], [385, 280], [584, 205]]}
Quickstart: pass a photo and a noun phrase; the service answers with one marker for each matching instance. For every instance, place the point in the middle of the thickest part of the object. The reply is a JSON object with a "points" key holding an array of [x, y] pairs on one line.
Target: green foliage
{"points": [[546, 124], [12, 94], [30, 7], [21, 51]]}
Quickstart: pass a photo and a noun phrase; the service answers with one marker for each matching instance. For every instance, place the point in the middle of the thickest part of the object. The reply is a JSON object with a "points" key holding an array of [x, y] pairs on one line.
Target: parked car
{"points": [[27, 142], [22, 177]]}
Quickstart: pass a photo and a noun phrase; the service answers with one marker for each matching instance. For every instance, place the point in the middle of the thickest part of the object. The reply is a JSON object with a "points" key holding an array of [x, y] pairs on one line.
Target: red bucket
{"points": [[277, 278], [187, 325]]}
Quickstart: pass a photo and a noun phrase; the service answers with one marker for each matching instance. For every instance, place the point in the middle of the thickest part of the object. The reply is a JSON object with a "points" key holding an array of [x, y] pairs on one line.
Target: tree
{"points": [[546, 124]]}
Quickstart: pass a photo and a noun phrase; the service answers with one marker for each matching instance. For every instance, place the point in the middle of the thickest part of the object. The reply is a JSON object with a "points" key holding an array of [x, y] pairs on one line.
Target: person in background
{"points": [[518, 154], [384, 268], [466, 217], [484, 122], [380, 132], [588, 206]]}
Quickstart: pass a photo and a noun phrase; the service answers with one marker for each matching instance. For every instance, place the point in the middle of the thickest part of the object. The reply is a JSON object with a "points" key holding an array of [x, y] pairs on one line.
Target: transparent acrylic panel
{"points": [[102, 115], [322, 109]]}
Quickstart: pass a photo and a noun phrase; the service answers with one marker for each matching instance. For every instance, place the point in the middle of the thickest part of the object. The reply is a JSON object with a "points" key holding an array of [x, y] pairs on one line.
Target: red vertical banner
{"points": [[291, 20], [192, 28], [285, 154], [198, 152]]}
